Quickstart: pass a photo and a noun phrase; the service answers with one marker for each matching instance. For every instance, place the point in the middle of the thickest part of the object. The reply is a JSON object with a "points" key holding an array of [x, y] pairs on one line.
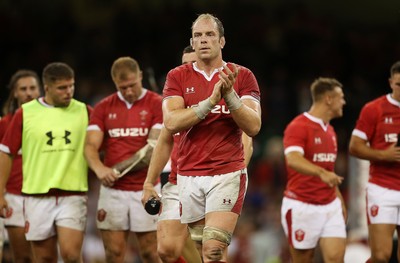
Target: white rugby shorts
{"points": [[170, 203], [43, 214], [123, 210], [200, 195], [383, 205], [16, 203], [304, 224]]}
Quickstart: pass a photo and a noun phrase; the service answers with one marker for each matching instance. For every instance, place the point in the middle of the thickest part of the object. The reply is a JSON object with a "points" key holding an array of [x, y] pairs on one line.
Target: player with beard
{"points": [[50, 132]]}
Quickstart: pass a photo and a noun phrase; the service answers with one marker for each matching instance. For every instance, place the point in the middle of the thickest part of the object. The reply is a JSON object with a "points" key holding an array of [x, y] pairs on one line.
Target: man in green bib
{"points": [[50, 132]]}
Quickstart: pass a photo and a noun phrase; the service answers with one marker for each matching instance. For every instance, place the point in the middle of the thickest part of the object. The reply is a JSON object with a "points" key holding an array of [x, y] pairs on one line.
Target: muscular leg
{"points": [[45, 251], [381, 241], [333, 249], [215, 250], [20, 247], [173, 241], [171, 236], [190, 252], [147, 242], [302, 255], [70, 242], [197, 237], [115, 243]]}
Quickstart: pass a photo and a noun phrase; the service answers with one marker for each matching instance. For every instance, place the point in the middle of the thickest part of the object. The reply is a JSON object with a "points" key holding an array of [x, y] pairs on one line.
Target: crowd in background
{"points": [[286, 47]]}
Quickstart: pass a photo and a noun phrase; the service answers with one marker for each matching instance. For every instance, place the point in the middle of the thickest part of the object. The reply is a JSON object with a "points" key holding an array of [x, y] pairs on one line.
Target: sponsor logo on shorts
{"points": [[226, 201], [374, 210], [299, 235]]}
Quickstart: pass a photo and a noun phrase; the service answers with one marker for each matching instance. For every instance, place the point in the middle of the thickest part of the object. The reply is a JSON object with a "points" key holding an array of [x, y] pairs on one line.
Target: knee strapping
{"points": [[196, 233], [210, 232]]}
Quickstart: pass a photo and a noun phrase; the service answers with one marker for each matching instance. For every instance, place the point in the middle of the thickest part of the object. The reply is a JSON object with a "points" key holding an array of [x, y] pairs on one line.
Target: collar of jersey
{"points": [[317, 120], [41, 101], [129, 105], [392, 101], [202, 72]]}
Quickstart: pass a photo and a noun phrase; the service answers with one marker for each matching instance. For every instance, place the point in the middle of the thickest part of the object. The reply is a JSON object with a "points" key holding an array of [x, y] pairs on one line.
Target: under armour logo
{"points": [[227, 201], [190, 90], [52, 138], [112, 116], [388, 120], [67, 133], [317, 140]]}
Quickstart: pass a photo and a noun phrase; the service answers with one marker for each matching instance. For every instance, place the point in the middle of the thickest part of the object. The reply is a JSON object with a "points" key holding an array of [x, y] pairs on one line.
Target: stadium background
{"points": [[287, 44]]}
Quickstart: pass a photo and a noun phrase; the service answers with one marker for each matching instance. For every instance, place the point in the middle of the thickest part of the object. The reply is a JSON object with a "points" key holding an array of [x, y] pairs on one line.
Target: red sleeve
{"points": [[3, 127], [248, 85], [295, 135], [367, 120], [172, 86], [158, 116], [97, 115], [13, 136]]}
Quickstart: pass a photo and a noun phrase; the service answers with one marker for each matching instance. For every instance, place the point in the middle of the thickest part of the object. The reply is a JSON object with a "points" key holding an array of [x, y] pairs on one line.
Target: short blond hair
{"points": [[122, 66]]}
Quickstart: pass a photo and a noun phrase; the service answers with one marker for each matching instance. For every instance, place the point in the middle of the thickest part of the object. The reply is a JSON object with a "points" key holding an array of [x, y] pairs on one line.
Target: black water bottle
{"points": [[152, 206]]}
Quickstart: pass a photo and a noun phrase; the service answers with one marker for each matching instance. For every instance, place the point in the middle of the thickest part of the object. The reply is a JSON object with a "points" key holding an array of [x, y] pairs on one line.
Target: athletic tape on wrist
{"points": [[233, 101], [203, 108]]}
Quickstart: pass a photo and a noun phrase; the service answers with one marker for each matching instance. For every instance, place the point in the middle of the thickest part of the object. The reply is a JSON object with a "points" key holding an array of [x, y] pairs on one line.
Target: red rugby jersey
{"points": [[214, 145], [379, 124], [126, 131], [317, 142], [14, 183]]}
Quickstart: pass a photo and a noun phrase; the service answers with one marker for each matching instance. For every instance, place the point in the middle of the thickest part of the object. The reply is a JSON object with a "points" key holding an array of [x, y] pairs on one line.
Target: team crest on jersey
{"points": [[189, 90], [299, 235], [374, 210], [112, 116], [143, 115]]}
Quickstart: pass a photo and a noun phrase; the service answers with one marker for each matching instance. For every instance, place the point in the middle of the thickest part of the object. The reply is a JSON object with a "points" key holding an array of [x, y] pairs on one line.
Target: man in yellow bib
{"points": [[50, 132]]}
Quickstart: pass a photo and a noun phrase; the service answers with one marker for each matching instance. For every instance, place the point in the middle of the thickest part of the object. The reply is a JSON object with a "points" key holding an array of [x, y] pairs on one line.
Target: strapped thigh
{"points": [[210, 232]]}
